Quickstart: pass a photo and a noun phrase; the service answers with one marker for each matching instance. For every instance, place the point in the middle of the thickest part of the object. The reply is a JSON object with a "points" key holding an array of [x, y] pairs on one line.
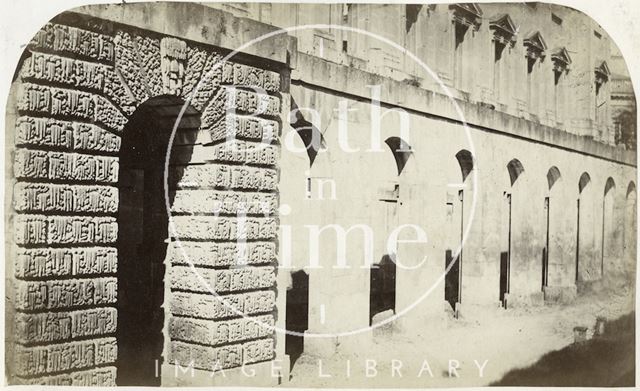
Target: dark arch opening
{"points": [[382, 295], [609, 185], [585, 179], [631, 188], [311, 136], [465, 159], [515, 170], [297, 314], [401, 151], [143, 232], [553, 175]]}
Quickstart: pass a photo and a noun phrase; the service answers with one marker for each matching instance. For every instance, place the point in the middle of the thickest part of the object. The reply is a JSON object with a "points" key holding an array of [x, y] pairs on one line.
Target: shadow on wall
{"points": [[607, 360], [143, 235]]}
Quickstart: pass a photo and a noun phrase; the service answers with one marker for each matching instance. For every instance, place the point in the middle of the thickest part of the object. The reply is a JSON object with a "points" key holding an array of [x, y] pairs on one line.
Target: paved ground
{"points": [[505, 340]]}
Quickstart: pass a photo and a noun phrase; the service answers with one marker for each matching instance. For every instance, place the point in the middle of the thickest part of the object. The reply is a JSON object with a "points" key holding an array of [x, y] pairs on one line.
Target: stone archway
{"points": [[79, 90]]}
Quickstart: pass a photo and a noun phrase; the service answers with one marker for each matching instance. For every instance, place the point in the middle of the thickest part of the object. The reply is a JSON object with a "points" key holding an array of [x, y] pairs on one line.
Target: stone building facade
{"points": [[519, 162]]}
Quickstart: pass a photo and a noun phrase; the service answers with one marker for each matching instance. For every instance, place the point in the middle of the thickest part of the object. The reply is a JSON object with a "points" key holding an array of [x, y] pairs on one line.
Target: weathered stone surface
{"points": [[106, 351], [58, 294], [243, 127], [115, 89], [223, 202], [208, 306], [71, 40], [239, 151], [202, 78], [226, 280], [213, 333], [223, 228], [220, 176], [45, 197], [79, 167], [48, 132], [57, 326], [103, 377], [50, 68], [230, 100], [58, 262], [205, 357], [34, 164], [31, 164], [76, 229], [61, 357], [240, 75], [137, 60], [221, 254], [45, 132], [257, 351], [65, 229], [55, 101]]}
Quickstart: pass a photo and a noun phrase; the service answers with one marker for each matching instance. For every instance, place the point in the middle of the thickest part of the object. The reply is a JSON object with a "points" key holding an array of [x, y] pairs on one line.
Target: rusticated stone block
{"points": [[57, 326], [241, 75], [213, 333], [81, 229], [114, 89], [93, 138], [48, 132], [223, 202], [80, 167], [30, 229], [103, 377], [230, 100], [56, 358], [31, 164], [257, 351], [243, 127], [44, 132], [58, 262], [71, 40], [106, 351], [50, 68], [205, 357], [69, 103], [43, 262], [55, 294], [224, 228], [221, 176], [208, 306], [239, 151], [45, 197], [221, 254], [226, 280]]}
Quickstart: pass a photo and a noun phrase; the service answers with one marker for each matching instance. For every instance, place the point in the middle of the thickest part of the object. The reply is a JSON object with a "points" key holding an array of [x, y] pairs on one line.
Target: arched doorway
{"points": [[143, 233], [608, 227], [553, 176], [584, 229], [382, 278], [630, 230], [455, 228], [515, 170]]}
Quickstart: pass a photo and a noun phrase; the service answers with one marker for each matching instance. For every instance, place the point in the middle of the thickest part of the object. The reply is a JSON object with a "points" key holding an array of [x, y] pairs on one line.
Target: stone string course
{"points": [[75, 93]]}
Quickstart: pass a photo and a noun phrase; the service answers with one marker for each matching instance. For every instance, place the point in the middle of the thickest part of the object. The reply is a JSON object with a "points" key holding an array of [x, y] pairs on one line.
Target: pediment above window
{"points": [[535, 45], [467, 14], [504, 30], [561, 59]]}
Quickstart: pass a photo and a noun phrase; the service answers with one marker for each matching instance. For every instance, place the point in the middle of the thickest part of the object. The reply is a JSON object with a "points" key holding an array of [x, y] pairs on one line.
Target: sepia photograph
{"points": [[320, 196]]}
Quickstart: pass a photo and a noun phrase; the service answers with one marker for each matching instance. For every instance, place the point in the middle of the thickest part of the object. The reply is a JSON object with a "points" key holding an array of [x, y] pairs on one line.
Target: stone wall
{"points": [[80, 81]]}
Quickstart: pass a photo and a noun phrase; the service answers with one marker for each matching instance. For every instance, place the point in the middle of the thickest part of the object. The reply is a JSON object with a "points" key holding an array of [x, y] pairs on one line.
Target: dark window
{"points": [[556, 19]]}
